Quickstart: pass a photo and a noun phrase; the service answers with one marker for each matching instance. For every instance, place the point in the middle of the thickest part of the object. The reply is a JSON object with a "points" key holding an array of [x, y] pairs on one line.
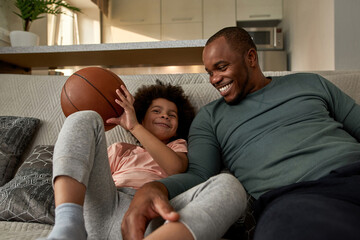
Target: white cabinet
{"points": [[134, 21], [181, 20], [254, 10], [134, 33], [135, 12], [181, 31], [175, 11], [217, 15]]}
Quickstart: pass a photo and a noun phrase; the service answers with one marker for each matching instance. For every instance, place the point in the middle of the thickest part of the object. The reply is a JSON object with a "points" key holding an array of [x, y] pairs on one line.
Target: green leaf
{"points": [[31, 10]]}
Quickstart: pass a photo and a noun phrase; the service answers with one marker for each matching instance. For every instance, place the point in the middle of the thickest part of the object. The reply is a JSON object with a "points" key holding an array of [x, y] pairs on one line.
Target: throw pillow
{"points": [[15, 135], [29, 196]]}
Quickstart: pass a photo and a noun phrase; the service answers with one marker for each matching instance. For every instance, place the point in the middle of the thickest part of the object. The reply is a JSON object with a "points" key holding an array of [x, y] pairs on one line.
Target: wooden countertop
{"points": [[161, 53]]}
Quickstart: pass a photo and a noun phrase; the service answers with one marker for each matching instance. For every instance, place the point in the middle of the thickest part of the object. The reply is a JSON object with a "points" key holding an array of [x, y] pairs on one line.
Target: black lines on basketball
{"points": [[92, 88], [67, 97], [117, 114]]}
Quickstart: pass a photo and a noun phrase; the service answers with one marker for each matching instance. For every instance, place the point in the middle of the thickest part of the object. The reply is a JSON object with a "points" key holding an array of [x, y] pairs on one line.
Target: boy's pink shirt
{"points": [[132, 166]]}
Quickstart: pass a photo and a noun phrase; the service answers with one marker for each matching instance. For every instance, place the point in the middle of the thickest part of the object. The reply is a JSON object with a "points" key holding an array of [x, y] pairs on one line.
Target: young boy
{"points": [[91, 195]]}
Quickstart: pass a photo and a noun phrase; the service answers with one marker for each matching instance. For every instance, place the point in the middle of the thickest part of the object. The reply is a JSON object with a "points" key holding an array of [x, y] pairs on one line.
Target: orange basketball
{"points": [[92, 88]]}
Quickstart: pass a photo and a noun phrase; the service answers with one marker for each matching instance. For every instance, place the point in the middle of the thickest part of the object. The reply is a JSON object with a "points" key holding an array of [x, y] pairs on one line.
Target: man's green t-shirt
{"points": [[297, 128]]}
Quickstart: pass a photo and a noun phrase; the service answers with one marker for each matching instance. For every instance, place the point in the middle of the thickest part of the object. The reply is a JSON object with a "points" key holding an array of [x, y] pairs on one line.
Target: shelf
{"points": [[161, 53]]}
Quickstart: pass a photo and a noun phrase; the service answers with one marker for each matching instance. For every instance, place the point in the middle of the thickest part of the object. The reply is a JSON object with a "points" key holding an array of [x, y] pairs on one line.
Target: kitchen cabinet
{"points": [[135, 12], [255, 10], [217, 15], [181, 31], [135, 21], [134, 33], [181, 19]]}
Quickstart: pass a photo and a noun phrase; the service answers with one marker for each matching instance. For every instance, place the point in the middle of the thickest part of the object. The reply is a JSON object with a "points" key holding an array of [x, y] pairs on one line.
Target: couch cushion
{"points": [[34, 96], [15, 135], [29, 196], [39, 96], [23, 230]]}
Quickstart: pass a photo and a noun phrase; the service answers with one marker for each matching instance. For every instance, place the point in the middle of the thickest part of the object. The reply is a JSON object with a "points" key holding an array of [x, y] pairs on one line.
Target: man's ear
{"points": [[252, 57]]}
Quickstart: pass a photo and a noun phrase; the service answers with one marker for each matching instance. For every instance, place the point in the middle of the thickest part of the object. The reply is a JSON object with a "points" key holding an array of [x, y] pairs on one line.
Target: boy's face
{"points": [[161, 119]]}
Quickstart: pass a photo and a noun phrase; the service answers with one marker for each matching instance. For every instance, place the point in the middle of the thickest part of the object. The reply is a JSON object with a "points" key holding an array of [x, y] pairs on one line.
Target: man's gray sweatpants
{"points": [[81, 153]]}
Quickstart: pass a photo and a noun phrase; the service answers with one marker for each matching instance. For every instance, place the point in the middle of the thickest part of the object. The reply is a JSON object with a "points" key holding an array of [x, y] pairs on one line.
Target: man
{"points": [[292, 141]]}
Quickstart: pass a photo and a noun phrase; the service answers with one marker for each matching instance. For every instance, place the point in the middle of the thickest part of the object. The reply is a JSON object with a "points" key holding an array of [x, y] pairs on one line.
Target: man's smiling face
{"points": [[227, 69]]}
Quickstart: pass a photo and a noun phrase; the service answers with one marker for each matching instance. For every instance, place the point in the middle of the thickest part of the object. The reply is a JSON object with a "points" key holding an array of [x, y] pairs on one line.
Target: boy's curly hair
{"points": [[186, 112]]}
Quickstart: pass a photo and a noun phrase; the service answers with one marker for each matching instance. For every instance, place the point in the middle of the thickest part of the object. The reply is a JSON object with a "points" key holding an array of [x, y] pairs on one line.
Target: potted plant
{"points": [[31, 10]]}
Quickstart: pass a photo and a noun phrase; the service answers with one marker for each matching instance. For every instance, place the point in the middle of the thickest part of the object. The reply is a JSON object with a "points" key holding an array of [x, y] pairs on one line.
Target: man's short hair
{"points": [[237, 37]]}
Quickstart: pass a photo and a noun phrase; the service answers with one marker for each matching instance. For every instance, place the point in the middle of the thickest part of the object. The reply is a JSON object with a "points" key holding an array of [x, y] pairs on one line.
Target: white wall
{"points": [[4, 5], [347, 34], [90, 18], [10, 21], [4, 29], [322, 34], [309, 34]]}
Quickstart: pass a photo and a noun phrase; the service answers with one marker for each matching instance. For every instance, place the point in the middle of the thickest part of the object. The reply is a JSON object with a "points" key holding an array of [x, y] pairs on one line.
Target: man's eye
{"points": [[222, 67]]}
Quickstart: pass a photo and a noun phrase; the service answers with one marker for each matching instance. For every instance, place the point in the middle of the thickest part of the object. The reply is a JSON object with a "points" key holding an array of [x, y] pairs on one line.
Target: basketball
{"points": [[92, 88]]}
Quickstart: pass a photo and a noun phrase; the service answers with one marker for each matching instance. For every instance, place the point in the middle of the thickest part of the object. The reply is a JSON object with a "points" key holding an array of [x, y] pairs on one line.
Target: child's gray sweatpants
{"points": [[81, 153]]}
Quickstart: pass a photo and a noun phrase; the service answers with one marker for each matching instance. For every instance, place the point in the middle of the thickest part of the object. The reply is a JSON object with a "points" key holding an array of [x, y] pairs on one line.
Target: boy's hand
{"points": [[128, 119], [149, 202]]}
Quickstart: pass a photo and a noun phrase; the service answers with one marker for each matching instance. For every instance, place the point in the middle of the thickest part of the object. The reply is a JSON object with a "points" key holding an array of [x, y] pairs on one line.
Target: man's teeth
{"points": [[224, 88]]}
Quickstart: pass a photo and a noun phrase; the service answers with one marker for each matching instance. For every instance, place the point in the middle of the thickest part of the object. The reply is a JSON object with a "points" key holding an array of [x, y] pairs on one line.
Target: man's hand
{"points": [[149, 202]]}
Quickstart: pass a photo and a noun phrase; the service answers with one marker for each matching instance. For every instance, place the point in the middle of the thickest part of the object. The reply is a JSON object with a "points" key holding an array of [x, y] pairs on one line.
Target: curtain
{"points": [[63, 29]]}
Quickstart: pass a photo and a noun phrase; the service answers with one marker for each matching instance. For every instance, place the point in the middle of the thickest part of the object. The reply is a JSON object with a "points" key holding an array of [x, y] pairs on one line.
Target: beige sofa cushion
{"points": [[39, 96]]}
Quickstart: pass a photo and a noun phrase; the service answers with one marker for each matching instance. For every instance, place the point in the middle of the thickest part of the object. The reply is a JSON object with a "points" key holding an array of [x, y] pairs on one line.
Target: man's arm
{"points": [[149, 202], [204, 154], [344, 109]]}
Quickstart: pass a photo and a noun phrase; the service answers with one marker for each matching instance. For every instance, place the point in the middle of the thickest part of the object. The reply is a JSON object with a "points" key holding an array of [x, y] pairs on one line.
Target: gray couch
{"points": [[26, 200]]}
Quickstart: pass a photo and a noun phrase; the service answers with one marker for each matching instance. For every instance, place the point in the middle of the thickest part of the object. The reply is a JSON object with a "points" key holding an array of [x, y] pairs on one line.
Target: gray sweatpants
{"points": [[81, 153]]}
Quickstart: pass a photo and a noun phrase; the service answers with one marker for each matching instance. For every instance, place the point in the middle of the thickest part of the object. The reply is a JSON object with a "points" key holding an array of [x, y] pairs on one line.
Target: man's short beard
{"points": [[241, 95], [236, 100]]}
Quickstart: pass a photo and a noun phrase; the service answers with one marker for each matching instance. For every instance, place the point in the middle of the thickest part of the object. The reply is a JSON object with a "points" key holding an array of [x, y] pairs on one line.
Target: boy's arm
{"points": [[172, 162]]}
